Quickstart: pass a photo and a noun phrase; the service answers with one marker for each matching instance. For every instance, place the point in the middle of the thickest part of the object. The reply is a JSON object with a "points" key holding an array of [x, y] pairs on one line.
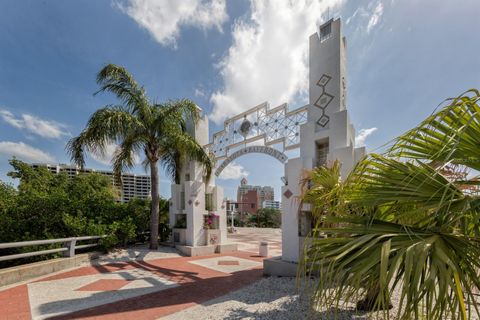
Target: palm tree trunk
{"points": [[155, 206]]}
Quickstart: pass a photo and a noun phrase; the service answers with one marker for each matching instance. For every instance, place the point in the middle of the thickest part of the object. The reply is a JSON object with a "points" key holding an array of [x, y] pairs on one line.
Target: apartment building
{"points": [[132, 186]]}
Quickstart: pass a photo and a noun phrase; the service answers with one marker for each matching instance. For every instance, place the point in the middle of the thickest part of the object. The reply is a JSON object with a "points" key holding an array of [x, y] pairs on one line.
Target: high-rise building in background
{"points": [[251, 198], [271, 204], [132, 186]]}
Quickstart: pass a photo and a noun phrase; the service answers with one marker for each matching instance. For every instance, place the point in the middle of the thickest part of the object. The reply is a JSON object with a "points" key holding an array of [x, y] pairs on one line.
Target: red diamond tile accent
{"points": [[228, 263], [288, 194], [104, 285]]}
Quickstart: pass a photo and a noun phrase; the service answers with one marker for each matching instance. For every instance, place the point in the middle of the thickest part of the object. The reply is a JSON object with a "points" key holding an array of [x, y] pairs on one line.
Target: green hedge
{"points": [[46, 206]]}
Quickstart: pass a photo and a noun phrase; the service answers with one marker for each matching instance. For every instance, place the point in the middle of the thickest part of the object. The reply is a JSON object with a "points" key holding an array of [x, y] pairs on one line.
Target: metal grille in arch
{"points": [[274, 126]]}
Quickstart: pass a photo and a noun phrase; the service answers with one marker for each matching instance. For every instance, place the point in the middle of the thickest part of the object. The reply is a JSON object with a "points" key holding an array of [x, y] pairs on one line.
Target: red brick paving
{"points": [[14, 304], [197, 284], [154, 305]]}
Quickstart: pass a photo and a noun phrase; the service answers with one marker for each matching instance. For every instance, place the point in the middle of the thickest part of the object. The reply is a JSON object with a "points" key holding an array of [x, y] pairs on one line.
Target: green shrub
{"points": [[46, 206]]}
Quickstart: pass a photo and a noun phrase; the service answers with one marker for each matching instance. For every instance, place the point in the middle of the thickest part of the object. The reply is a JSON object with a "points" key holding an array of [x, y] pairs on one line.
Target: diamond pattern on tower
{"points": [[324, 119], [288, 194], [323, 80], [324, 100]]}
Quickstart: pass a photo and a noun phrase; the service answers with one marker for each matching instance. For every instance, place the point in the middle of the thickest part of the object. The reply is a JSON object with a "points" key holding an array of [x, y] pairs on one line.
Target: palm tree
{"points": [[137, 125], [413, 224]]}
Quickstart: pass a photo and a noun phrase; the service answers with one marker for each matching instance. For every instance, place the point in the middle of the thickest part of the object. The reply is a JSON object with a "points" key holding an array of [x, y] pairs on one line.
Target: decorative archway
{"points": [[280, 156]]}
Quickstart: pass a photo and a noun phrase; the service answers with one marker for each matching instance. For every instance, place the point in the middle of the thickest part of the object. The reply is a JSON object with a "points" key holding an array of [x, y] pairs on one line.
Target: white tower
{"points": [[194, 202], [326, 136]]}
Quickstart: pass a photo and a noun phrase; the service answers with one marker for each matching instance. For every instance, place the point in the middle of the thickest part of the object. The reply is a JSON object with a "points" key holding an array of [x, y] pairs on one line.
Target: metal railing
{"points": [[68, 249]]}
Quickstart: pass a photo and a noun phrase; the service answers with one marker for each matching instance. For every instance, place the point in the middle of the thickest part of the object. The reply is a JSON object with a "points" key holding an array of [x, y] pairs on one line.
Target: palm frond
{"points": [[108, 124], [321, 188], [183, 147], [382, 181], [124, 156], [435, 273], [119, 81], [449, 135]]}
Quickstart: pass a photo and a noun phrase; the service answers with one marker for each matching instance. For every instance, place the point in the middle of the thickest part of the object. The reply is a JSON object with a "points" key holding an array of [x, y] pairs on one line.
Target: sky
{"points": [[404, 58]]}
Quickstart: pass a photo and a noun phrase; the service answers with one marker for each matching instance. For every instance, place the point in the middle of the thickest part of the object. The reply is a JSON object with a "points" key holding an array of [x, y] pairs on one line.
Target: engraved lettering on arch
{"points": [[280, 156]]}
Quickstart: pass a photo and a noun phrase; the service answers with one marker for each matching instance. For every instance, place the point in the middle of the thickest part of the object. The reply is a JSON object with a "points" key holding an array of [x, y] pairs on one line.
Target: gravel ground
{"points": [[267, 299], [273, 298]]}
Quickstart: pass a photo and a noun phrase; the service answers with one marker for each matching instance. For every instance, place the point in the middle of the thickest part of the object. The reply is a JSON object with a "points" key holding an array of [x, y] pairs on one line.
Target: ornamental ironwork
{"points": [[273, 126]]}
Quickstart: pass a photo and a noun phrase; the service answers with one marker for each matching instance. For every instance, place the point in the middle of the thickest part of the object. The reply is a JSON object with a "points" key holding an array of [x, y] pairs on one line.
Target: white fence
{"points": [[68, 249]]}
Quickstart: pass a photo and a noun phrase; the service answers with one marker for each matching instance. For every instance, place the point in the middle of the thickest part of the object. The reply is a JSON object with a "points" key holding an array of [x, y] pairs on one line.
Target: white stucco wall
{"points": [[327, 58]]}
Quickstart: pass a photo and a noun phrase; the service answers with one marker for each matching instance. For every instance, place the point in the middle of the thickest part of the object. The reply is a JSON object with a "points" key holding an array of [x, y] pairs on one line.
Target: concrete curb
{"points": [[25, 272]]}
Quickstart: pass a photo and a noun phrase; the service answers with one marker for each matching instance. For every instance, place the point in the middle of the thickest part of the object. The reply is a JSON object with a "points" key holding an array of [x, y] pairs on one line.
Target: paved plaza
{"points": [[248, 240], [138, 284]]}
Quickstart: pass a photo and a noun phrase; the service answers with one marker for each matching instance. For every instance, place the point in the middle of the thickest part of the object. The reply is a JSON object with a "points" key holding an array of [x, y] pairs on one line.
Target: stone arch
{"points": [[280, 156]]}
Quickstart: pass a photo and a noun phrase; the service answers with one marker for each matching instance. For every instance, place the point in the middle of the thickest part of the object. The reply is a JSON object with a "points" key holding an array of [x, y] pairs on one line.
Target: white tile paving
{"points": [[57, 297]]}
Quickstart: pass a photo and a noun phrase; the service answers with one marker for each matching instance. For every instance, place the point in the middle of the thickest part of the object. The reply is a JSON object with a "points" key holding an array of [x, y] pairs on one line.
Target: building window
{"points": [[182, 200], [325, 32], [209, 202], [322, 153]]}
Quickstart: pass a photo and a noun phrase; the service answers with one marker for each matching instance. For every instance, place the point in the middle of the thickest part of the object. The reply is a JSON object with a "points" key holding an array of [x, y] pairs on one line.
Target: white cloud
{"points": [[268, 57], [35, 125], [164, 18], [106, 157], [359, 12], [233, 171], [362, 136], [375, 17], [24, 151], [199, 93]]}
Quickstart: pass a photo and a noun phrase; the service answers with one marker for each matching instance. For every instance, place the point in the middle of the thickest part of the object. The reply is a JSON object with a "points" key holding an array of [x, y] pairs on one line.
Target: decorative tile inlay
{"points": [[323, 80], [324, 100], [324, 119], [288, 194], [104, 285], [228, 263]]}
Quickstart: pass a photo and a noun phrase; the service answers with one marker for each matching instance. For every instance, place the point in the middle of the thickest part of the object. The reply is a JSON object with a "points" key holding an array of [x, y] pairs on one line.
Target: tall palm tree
{"points": [[414, 223], [137, 125]]}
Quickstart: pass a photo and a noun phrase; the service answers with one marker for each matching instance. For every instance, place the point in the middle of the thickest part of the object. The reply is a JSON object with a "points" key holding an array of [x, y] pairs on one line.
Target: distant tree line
{"points": [[263, 218], [47, 205]]}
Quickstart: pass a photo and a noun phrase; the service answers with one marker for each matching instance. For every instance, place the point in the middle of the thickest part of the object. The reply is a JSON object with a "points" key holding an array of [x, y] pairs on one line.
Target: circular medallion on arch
{"points": [[245, 127]]}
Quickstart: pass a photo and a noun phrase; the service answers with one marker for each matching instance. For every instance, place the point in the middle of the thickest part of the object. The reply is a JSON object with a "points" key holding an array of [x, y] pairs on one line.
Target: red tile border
{"points": [[14, 303]]}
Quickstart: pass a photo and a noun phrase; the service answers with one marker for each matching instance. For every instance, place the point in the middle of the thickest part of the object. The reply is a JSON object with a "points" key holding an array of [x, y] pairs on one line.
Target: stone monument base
{"points": [[277, 267], [206, 250]]}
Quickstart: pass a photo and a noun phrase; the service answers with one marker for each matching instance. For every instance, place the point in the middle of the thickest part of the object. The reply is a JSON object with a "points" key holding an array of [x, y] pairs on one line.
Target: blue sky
{"points": [[404, 58]]}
